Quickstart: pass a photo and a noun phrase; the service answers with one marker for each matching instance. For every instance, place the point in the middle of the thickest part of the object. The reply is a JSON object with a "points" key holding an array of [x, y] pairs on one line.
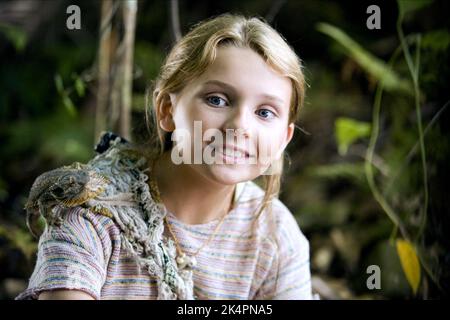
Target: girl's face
{"points": [[238, 94]]}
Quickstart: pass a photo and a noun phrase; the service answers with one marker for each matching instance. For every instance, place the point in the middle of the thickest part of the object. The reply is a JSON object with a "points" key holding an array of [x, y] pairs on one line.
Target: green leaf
{"points": [[410, 263], [80, 87], [405, 6], [351, 171], [348, 130], [19, 239], [70, 107], [371, 64], [16, 35], [59, 84], [438, 40]]}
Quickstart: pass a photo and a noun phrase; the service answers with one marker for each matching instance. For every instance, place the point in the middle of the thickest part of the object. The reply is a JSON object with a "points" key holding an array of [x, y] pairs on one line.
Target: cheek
{"points": [[271, 140], [183, 118], [192, 111], [178, 118]]}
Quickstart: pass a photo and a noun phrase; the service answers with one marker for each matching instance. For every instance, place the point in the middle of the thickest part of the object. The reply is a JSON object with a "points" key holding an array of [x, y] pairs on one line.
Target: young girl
{"points": [[184, 219]]}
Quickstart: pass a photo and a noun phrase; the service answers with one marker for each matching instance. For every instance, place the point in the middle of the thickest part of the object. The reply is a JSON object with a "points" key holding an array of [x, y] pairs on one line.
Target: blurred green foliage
{"points": [[14, 34], [47, 108], [371, 64], [348, 131]]}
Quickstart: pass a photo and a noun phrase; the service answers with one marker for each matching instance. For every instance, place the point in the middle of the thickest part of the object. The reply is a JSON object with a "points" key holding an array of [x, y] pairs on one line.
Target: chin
{"points": [[229, 174]]}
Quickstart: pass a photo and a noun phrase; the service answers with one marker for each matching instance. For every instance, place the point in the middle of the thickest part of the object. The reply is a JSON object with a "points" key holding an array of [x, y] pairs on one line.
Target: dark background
{"points": [[327, 191]]}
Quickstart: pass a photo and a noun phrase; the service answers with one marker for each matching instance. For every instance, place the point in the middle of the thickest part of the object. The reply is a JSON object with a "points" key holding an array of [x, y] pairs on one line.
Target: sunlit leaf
{"points": [[410, 263], [80, 87], [348, 130], [371, 64], [405, 6]]}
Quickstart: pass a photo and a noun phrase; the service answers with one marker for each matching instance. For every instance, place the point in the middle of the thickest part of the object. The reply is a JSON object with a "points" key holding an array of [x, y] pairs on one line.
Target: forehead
{"points": [[247, 72]]}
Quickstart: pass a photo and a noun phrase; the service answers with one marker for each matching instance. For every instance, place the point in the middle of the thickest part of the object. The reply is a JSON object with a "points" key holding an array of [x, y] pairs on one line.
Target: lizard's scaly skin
{"points": [[68, 186]]}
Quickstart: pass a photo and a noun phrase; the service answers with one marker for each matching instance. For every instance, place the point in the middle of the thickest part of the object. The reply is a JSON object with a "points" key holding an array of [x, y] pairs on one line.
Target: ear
{"points": [[165, 113], [287, 139], [290, 133]]}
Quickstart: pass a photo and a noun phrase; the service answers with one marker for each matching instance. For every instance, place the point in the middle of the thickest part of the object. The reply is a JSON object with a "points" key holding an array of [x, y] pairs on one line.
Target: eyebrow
{"points": [[233, 89]]}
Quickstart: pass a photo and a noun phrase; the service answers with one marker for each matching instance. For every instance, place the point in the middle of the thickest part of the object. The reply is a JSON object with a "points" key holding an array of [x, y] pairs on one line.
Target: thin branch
{"points": [[274, 9], [414, 71], [174, 23], [174, 17], [368, 165], [413, 150], [106, 22], [129, 12], [104, 65]]}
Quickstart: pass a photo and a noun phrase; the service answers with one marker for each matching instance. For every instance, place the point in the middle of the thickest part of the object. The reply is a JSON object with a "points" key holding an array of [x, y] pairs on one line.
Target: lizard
{"points": [[69, 186]]}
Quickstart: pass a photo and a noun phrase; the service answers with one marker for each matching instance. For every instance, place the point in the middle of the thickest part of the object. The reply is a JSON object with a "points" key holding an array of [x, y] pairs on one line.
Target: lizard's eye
{"points": [[58, 191]]}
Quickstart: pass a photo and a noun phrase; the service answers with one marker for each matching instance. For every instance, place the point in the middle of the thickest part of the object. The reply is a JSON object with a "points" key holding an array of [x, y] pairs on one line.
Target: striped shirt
{"points": [[84, 253]]}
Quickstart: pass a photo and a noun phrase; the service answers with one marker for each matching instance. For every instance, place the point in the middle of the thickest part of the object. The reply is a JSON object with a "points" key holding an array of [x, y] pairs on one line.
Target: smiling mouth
{"points": [[232, 152], [229, 155]]}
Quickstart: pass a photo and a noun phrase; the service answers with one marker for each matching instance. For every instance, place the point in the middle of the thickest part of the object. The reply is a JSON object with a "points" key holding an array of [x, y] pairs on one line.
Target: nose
{"points": [[238, 123]]}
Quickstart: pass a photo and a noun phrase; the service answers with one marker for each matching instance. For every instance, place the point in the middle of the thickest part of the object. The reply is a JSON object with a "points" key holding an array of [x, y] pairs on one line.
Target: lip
{"points": [[231, 159], [230, 147]]}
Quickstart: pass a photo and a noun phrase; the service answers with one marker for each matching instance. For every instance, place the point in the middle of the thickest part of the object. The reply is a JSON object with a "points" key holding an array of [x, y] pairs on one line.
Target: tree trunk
{"points": [[129, 17], [104, 67], [115, 68]]}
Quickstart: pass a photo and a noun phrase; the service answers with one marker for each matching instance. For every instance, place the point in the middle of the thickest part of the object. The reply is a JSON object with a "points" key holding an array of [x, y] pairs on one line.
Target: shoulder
{"points": [[107, 176], [90, 232], [288, 231], [74, 255], [284, 271], [115, 156]]}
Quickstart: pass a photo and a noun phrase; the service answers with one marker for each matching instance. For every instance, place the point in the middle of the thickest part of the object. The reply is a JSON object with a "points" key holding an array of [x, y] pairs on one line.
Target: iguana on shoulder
{"points": [[69, 186], [72, 185]]}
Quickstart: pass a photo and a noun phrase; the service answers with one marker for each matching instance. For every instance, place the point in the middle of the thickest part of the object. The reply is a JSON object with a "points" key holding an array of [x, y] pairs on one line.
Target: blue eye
{"points": [[215, 101], [265, 113]]}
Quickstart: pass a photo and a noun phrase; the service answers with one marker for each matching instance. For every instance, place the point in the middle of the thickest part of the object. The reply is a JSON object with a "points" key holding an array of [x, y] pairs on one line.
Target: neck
{"points": [[193, 199]]}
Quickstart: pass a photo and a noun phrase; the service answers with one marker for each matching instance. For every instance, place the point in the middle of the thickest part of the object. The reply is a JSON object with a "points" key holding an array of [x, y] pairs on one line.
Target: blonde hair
{"points": [[197, 50]]}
